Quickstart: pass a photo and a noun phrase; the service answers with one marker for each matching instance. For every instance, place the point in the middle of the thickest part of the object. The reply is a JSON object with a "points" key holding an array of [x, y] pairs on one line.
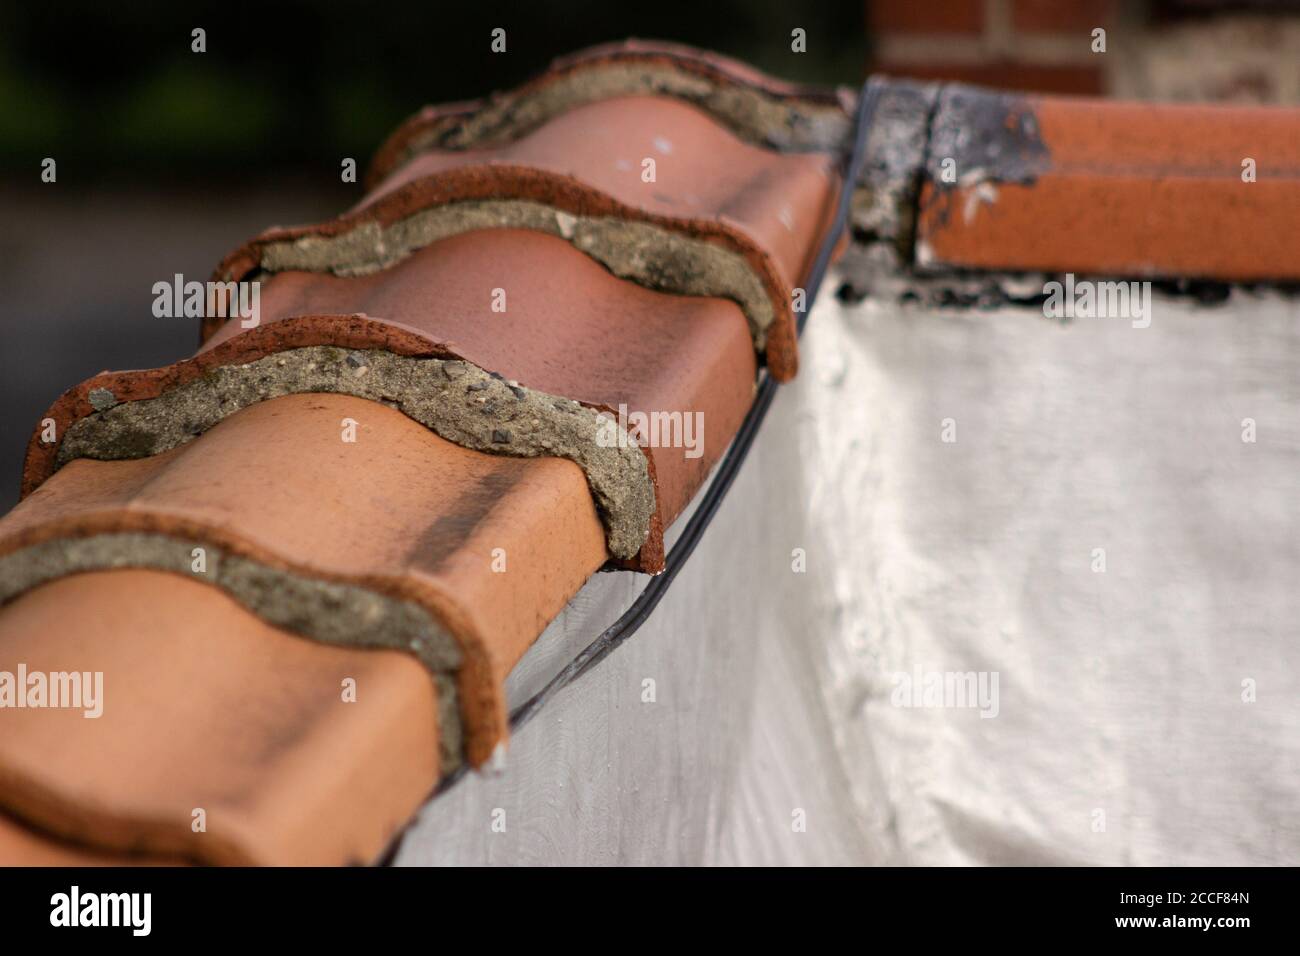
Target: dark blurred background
{"points": [[115, 89], [167, 158]]}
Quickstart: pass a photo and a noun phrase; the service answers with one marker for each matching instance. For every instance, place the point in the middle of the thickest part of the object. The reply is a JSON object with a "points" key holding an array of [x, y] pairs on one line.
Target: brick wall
{"points": [[1243, 51], [1013, 44]]}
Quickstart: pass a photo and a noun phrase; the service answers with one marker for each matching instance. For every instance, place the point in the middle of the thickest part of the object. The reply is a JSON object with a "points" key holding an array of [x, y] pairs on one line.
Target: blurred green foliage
{"points": [[115, 87]]}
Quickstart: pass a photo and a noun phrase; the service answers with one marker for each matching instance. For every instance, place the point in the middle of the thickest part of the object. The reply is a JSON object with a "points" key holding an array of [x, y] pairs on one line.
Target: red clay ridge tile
{"points": [[206, 708], [757, 108], [782, 201], [143, 413], [20, 845], [688, 256], [401, 502], [1112, 188], [399, 539], [352, 331], [615, 344], [571, 328], [721, 218]]}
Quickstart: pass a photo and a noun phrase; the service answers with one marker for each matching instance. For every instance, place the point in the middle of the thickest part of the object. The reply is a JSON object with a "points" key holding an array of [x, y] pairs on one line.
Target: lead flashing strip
{"points": [[883, 210], [331, 612], [987, 135], [457, 400]]}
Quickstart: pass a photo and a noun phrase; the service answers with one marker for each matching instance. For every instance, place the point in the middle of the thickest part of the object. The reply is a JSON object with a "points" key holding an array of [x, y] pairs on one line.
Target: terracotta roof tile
{"points": [[1113, 188], [423, 554], [721, 217], [615, 344], [208, 708], [702, 256], [20, 845], [782, 201], [426, 531], [706, 378], [157, 409], [755, 107]]}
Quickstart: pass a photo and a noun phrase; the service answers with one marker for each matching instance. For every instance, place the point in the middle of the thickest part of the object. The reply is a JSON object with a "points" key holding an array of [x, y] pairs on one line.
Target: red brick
{"points": [[940, 16], [1021, 77], [1055, 16]]}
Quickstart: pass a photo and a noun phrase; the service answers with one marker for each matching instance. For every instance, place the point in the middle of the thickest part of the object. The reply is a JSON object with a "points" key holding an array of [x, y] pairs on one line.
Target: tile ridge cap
{"points": [[362, 333], [716, 68], [561, 193]]}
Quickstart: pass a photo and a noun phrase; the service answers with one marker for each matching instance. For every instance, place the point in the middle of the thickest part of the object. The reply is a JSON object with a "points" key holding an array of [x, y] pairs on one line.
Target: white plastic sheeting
{"points": [[1147, 713]]}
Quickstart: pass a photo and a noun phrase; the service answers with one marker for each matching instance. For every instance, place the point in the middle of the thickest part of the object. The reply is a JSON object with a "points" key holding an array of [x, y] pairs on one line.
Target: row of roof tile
{"points": [[306, 559]]}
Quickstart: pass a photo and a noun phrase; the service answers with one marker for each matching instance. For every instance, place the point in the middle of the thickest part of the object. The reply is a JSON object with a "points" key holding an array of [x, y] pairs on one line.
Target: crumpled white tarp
{"points": [[1147, 713]]}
